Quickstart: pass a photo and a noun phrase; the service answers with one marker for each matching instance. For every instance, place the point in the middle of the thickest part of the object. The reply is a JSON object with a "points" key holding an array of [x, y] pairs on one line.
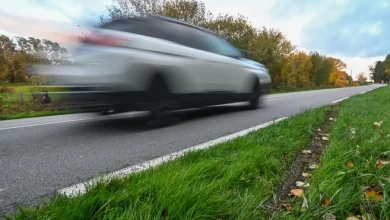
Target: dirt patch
{"points": [[305, 162]]}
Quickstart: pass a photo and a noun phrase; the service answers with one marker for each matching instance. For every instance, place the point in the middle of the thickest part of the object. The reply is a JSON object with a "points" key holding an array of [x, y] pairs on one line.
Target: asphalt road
{"points": [[42, 155]]}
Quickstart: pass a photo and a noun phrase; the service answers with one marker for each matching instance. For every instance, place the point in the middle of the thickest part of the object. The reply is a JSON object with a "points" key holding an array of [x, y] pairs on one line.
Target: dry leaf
{"points": [[285, 157], [381, 162], [325, 138], [299, 183], [319, 129], [306, 152], [306, 174], [325, 203], [313, 166], [374, 194], [287, 206], [307, 185], [350, 163], [351, 218], [296, 192], [329, 216], [305, 205], [331, 119]]}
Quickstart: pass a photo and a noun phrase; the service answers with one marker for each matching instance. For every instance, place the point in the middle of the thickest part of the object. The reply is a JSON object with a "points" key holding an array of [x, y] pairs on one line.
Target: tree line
{"points": [[18, 54], [289, 67], [380, 71]]}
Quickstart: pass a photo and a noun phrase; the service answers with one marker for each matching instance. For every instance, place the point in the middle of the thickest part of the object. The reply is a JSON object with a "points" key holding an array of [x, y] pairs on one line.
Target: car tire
{"points": [[255, 96], [161, 102]]}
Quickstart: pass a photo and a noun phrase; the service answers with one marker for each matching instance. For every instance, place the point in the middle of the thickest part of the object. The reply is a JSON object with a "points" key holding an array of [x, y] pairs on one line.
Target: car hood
{"points": [[251, 64]]}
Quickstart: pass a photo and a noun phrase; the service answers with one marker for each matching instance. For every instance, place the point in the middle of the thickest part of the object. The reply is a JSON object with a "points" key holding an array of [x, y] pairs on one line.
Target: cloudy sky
{"points": [[357, 31]]}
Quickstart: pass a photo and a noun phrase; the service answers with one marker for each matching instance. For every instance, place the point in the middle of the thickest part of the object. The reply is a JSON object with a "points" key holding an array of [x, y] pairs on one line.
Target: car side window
{"points": [[220, 46]]}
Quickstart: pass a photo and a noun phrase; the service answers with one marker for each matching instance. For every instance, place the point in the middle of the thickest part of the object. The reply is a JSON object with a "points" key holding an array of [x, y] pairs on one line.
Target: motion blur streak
{"points": [[156, 64]]}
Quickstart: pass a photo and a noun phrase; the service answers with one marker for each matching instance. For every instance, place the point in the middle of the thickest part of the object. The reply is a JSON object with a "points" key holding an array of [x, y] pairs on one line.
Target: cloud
{"points": [[351, 28]]}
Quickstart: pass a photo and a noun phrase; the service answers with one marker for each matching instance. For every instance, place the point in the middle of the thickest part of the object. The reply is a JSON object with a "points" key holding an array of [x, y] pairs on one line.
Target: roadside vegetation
{"points": [[354, 171], [23, 101], [290, 68], [229, 181], [331, 162]]}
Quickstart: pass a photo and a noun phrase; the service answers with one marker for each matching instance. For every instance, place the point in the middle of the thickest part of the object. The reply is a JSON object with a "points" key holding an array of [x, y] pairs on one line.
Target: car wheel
{"points": [[255, 96], [161, 102]]}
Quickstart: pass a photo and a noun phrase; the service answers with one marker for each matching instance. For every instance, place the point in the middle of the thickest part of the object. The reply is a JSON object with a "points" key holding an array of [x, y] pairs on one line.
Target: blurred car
{"points": [[159, 64]]}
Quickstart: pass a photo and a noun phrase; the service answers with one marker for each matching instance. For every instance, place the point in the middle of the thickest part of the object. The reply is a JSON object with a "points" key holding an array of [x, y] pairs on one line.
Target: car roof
{"points": [[163, 18]]}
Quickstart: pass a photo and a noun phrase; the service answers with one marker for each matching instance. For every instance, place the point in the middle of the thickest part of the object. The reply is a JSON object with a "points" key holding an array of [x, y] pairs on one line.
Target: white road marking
{"points": [[340, 100], [362, 92], [81, 188], [67, 121]]}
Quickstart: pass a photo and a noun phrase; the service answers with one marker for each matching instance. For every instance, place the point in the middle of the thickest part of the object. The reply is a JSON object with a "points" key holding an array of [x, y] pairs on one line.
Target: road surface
{"points": [[39, 156]]}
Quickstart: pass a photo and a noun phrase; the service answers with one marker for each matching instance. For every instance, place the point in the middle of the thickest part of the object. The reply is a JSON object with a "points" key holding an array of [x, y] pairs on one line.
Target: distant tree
{"points": [[17, 54], [362, 78], [296, 70]]}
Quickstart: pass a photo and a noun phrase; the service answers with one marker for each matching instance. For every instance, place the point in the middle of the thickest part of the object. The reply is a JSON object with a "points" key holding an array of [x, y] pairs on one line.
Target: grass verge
{"points": [[353, 179], [226, 182], [11, 108]]}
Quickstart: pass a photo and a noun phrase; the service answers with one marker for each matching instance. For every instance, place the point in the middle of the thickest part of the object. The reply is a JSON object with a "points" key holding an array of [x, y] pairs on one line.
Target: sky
{"points": [[356, 31]]}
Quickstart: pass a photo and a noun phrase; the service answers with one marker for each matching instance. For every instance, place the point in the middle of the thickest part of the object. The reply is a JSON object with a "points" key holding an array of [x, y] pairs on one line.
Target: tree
{"points": [[296, 70], [337, 75], [191, 11], [362, 78], [321, 69], [237, 30], [17, 54], [271, 48], [377, 72]]}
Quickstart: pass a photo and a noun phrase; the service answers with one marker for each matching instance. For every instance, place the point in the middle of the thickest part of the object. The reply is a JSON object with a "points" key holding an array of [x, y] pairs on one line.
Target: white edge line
{"points": [[340, 100], [68, 121], [81, 188]]}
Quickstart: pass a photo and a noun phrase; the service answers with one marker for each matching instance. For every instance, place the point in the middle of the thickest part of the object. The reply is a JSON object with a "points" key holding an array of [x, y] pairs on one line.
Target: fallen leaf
{"points": [[307, 185], [377, 124], [299, 183], [350, 163], [357, 153], [313, 166], [305, 205], [331, 119], [325, 138], [319, 129], [287, 206], [306, 174], [285, 157], [329, 216], [325, 203], [373, 194], [380, 163], [296, 192], [351, 218], [306, 152]]}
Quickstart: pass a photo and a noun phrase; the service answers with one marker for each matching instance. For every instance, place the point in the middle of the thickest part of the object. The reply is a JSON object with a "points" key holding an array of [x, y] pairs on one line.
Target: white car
{"points": [[159, 64]]}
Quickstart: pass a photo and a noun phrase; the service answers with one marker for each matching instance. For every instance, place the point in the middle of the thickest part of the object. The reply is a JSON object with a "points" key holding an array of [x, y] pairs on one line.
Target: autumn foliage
{"points": [[289, 68]]}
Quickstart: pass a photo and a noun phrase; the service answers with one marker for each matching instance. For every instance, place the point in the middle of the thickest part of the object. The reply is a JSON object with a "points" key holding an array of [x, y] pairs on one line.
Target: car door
{"points": [[227, 72]]}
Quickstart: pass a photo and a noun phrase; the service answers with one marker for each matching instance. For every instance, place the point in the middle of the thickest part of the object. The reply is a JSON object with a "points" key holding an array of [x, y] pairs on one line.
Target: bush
{"points": [[37, 80]]}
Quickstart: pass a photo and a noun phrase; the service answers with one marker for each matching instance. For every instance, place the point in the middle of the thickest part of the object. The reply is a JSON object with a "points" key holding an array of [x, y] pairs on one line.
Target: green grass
{"points": [[229, 181], [10, 107], [343, 184]]}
